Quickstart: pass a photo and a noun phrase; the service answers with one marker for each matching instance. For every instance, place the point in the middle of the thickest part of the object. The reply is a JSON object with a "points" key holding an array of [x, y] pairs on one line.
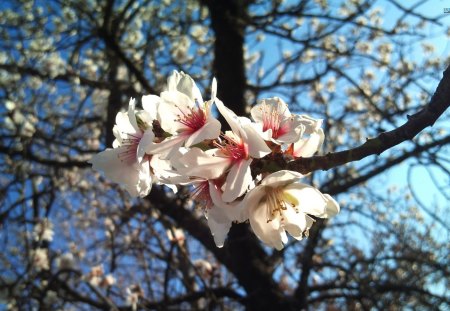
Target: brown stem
{"points": [[386, 140]]}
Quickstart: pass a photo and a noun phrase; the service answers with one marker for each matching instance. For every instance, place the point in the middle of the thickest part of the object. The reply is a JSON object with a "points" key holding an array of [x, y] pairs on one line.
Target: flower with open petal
{"points": [[127, 163], [276, 122], [239, 147], [185, 115], [281, 203], [311, 140]]}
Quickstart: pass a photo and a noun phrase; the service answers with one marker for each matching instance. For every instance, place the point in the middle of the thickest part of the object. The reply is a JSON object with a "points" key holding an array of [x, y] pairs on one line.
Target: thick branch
{"points": [[386, 140]]}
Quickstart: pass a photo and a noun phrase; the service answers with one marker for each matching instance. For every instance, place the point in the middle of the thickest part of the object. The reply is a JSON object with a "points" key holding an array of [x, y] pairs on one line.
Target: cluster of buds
{"points": [[176, 140]]}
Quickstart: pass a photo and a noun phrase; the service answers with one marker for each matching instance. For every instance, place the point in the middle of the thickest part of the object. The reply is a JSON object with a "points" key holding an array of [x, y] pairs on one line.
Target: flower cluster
{"points": [[176, 140]]}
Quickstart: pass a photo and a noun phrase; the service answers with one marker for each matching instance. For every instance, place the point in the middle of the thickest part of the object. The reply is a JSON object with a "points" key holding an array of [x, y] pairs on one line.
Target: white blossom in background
{"points": [[176, 235], [133, 293], [39, 259], [43, 231]]}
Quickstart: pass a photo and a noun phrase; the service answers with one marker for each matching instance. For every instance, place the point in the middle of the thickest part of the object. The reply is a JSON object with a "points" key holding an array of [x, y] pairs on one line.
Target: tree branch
{"points": [[386, 140]]}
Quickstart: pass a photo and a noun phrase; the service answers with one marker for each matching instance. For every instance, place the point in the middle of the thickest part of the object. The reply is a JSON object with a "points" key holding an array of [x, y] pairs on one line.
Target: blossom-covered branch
{"points": [[427, 116], [176, 140]]}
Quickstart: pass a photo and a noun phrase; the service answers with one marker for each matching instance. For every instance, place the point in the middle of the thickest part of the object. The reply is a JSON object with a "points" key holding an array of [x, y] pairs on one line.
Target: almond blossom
{"points": [[184, 114], [311, 140], [276, 121], [281, 203], [176, 140], [127, 163]]}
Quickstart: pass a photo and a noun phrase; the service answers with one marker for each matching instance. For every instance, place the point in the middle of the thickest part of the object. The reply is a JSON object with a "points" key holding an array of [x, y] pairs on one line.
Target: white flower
{"points": [[277, 123], [184, 114], [235, 153], [233, 156], [281, 203], [39, 258], [311, 140], [127, 163], [43, 231]]}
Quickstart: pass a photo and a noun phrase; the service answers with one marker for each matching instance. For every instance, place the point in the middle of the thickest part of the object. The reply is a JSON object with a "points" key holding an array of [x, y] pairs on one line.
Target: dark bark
{"points": [[229, 68]]}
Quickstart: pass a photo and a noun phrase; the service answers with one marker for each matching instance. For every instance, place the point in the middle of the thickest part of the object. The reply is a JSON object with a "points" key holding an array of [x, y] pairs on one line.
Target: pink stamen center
{"points": [[193, 119], [272, 117], [232, 148]]}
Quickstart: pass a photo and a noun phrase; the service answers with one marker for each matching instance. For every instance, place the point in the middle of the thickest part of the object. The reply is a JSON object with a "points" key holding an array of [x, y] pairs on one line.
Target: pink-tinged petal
{"points": [[268, 107], [144, 143], [231, 118], [219, 224], [171, 108], [293, 129], [306, 147], [211, 130], [127, 174], [280, 178], [311, 200], [238, 180], [257, 147], [150, 104], [198, 163]]}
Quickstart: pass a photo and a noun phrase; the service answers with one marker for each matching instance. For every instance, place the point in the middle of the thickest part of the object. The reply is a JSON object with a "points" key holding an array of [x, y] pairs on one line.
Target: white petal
{"points": [[306, 147], [150, 104], [238, 180], [268, 232], [132, 115], [186, 85], [311, 200], [211, 130], [234, 210], [124, 173], [257, 147], [214, 89], [144, 143], [167, 148], [172, 106], [145, 179], [295, 223], [219, 224], [123, 125], [332, 208], [283, 177], [263, 107], [231, 118], [172, 81], [199, 163]]}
